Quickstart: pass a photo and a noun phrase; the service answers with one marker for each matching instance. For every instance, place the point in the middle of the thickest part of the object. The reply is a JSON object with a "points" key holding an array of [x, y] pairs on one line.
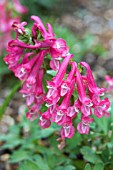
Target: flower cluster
{"points": [[6, 19], [70, 92]]}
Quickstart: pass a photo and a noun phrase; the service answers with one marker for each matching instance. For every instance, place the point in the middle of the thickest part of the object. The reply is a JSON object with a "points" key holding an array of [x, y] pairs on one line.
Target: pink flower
{"points": [[32, 114], [14, 55], [19, 8], [90, 80], [81, 89], [40, 26], [67, 131], [59, 115], [53, 85], [72, 111], [109, 81], [22, 70], [19, 27], [65, 86], [7, 18], [45, 120], [59, 48], [55, 64], [31, 79], [83, 126], [86, 109], [102, 109]]}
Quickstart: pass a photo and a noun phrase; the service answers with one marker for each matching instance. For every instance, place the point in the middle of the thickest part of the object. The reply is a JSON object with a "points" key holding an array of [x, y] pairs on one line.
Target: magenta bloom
{"points": [[102, 109], [90, 80], [67, 131], [45, 120], [63, 94], [83, 126], [19, 8], [53, 91], [7, 18], [66, 84], [81, 89]]}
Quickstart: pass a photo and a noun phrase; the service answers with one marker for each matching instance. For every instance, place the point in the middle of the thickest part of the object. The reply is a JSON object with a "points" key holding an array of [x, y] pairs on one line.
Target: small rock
{"points": [[5, 157], [108, 14]]}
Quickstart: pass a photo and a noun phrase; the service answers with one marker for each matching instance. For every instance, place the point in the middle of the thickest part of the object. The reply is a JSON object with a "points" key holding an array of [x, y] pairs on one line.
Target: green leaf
{"points": [[8, 99], [79, 164], [87, 167], [18, 156], [90, 155], [3, 67], [59, 168], [41, 163], [44, 133], [28, 165], [70, 167], [99, 166], [12, 143], [51, 72], [71, 142], [103, 121]]}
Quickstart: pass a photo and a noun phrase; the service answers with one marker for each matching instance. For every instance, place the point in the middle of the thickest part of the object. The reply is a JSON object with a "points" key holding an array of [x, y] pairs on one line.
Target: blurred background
{"points": [[87, 27]]}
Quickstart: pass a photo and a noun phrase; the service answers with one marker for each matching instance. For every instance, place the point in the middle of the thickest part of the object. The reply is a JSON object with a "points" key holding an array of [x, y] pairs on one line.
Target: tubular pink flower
{"points": [[19, 27], [90, 80], [32, 77], [86, 110], [39, 92], [60, 114], [32, 114], [83, 127], [59, 48], [67, 83], [6, 20], [45, 120], [53, 85], [81, 90], [22, 70], [62, 70], [30, 99], [27, 89], [102, 109], [95, 98], [14, 55], [19, 7], [39, 85], [19, 43], [72, 111], [50, 30], [67, 131], [41, 27], [55, 64]]}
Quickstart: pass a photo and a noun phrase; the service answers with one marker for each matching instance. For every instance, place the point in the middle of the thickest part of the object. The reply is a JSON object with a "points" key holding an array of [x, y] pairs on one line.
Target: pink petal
{"points": [[82, 128], [67, 131]]}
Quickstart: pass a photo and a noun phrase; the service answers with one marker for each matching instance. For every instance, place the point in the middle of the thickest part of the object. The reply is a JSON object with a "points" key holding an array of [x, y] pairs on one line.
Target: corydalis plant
{"points": [[69, 93], [8, 9]]}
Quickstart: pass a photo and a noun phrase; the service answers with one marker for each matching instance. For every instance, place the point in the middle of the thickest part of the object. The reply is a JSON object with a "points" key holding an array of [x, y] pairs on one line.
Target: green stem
{"points": [[8, 99]]}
